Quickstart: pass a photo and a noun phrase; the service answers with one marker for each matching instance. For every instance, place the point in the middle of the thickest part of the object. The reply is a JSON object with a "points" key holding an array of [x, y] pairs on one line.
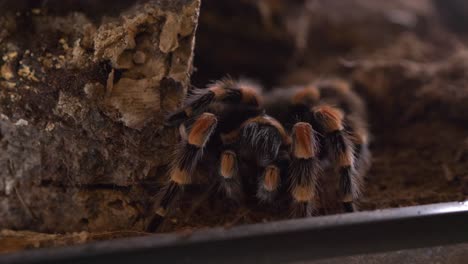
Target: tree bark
{"points": [[83, 96]]}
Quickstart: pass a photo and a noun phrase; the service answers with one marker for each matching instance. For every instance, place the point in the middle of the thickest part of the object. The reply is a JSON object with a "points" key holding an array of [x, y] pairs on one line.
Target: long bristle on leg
{"points": [[357, 132], [265, 136], [171, 193], [269, 183], [304, 170], [230, 178], [341, 150], [225, 91], [186, 158], [270, 180], [347, 172], [196, 102]]}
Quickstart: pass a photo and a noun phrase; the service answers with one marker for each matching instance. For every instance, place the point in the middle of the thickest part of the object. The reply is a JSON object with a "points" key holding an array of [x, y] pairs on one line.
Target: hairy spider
{"points": [[283, 141]]}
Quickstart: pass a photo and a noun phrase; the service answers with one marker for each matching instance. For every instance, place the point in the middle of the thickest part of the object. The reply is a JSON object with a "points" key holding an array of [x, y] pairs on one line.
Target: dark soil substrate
{"points": [[406, 171]]}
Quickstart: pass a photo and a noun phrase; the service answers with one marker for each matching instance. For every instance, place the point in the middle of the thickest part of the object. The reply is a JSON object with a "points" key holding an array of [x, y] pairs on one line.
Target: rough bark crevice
{"points": [[81, 111]]}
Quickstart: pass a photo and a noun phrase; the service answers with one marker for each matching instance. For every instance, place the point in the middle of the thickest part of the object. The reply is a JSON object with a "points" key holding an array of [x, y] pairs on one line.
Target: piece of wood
{"points": [[82, 101]]}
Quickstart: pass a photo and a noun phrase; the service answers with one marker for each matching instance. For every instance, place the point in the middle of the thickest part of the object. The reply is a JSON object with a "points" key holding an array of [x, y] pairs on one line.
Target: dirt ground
{"points": [[417, 95]]}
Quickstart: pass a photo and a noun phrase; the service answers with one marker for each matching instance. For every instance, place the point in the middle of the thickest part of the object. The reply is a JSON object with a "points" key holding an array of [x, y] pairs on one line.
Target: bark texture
{"points": [[82, 102]]}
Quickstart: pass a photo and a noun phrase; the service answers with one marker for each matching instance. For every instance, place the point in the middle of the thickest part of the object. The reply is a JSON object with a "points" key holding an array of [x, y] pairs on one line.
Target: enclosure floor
{"points": [[409, 168], [412, 165]]}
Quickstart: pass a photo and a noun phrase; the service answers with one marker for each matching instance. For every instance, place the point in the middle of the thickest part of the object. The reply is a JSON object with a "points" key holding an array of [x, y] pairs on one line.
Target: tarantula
{"points": [[283, 141]]}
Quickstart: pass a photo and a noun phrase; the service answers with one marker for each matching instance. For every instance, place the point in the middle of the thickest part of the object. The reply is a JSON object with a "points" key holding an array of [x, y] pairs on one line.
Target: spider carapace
{"points": [[286, 140]]}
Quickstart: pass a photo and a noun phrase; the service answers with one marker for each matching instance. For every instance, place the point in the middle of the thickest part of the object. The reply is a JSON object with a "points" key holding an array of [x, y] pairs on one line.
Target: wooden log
{"points": [[83, 96]]}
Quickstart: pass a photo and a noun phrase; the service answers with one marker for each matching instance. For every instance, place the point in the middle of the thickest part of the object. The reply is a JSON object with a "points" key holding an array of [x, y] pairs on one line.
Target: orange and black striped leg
{"points": [[266, 136], [269, 183], [363, 159], [196, 103], [270, 179], [226, 91], [362, 155], [358, 135], [186, 158], [341, 151], [228, 169], [304, 170], [345, 159]]}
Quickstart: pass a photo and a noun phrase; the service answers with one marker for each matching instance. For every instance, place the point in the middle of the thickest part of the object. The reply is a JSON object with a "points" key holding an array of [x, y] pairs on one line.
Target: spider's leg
{"points": [[270, 180], [186, 158], [358, 134], [267, 138], [228, 171], [304, 170], [355, 119], [225, 91], [341, 151]]}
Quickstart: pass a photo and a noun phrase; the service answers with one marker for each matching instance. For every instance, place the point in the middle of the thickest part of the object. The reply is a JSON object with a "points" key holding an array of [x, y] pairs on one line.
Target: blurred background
{"points": [[408, 59]]}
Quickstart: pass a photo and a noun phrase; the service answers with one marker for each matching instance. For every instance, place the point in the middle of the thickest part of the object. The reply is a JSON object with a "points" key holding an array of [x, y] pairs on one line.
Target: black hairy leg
{"points": [[304, 170], [209, 124], [273, 147], [186, 158], [226, 91], [328, 127], [340, 151], [267, 138], [230, 181]]}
